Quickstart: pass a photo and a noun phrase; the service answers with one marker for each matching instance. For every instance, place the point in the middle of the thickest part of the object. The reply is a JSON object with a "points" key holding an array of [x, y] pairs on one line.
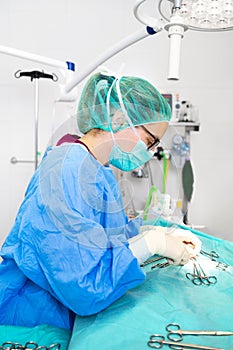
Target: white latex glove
{"points": [[154, 240], [193, 243], [177, 250]]}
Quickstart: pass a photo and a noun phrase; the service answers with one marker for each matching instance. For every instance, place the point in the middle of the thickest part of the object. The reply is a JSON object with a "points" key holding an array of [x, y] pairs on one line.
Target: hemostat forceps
{"points": [[176, 334], [212, 255], [157, 341], [199, 277]]}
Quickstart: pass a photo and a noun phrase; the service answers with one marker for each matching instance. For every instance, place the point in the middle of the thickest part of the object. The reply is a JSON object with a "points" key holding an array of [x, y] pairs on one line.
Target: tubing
{"points": [[166, 164], [148, 201]]}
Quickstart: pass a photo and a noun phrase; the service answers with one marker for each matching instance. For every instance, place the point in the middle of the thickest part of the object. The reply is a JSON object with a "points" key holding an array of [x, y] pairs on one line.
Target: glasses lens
{"points": [[156, 139]]}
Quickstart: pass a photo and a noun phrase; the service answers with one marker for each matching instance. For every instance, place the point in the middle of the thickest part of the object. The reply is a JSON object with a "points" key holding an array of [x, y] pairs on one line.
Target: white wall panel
{"points": [[80, 30]]}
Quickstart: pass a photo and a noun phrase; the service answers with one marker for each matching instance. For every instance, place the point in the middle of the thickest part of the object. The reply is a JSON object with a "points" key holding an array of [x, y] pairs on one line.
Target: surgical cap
{"points": [[100, 100]]}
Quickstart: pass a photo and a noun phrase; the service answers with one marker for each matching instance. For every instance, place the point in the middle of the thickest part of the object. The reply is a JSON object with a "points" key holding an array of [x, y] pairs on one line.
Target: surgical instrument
{"points": [[30, 345], [147, 262], [199, 280], [199, 277], [212, 255], [175, 333], [222, 266], [157, 341], [161, 265]]}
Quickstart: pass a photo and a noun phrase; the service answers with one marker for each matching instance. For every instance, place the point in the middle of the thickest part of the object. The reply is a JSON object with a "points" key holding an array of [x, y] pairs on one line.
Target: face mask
{"points": [[122, 160], [128, 161]]}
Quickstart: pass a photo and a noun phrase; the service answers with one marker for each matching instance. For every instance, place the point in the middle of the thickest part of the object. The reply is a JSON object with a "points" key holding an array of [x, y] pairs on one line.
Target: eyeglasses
{"points": [[156, 139]]}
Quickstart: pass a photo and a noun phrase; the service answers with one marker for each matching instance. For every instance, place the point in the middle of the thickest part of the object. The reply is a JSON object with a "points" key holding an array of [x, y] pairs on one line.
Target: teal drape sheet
{"points": [[42, 335], [166, 296]]}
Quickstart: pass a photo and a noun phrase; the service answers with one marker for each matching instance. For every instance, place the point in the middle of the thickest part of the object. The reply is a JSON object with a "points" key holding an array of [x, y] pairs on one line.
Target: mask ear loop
{"points": [[124, 109], [108, 107], [101, 85]]}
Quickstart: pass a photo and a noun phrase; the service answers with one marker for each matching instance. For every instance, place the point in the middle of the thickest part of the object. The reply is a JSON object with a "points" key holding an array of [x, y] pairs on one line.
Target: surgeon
{"points": [[72, 249]]}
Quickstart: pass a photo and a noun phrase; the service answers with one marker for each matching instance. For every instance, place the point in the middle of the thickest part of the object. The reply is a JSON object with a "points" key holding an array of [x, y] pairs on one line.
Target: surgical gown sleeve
{"points": [[70, 233]]}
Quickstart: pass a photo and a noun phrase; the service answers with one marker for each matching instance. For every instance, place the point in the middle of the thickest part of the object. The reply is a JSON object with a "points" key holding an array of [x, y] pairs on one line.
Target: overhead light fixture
{"points": [[201, 15], [176, 16]]}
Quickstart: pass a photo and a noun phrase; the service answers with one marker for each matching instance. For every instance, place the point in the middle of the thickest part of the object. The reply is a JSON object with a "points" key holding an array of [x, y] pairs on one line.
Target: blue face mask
{"points": [[128, 161]]}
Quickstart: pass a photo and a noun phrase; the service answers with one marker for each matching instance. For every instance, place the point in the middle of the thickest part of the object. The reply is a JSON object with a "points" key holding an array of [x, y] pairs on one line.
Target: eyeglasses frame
{"points": [[156, 138]]}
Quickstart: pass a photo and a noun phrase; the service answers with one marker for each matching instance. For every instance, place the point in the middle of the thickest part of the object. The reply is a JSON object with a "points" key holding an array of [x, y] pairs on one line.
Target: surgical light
{"points": [[201, 15], [180, 15]]}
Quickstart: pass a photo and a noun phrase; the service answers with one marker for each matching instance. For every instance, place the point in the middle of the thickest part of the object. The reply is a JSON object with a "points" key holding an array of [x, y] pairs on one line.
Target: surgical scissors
{"points": [[199, 277], [176, 334], [157, 341]]}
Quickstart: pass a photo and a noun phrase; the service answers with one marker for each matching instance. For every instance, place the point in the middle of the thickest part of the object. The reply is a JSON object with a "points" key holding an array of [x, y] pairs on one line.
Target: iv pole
{"points": [[67, 66], [34, 75]]}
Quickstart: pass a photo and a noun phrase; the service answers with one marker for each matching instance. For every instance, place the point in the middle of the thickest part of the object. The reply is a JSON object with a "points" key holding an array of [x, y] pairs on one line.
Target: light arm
{"points": [[128, 41], [33, 57]]}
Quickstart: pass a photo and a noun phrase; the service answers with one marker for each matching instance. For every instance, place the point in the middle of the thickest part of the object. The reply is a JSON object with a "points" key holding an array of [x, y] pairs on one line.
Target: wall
{"points": [[80, 30]]}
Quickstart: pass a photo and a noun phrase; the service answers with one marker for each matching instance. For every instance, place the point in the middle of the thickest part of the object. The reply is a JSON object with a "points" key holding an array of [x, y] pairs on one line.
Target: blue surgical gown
{"points": [[67, 252]]}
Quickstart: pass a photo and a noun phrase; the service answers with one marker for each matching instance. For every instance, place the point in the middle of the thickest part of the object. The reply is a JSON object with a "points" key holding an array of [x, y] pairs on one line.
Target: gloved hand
{"points": [[155, 240], [193, 243], [177, 250]]}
